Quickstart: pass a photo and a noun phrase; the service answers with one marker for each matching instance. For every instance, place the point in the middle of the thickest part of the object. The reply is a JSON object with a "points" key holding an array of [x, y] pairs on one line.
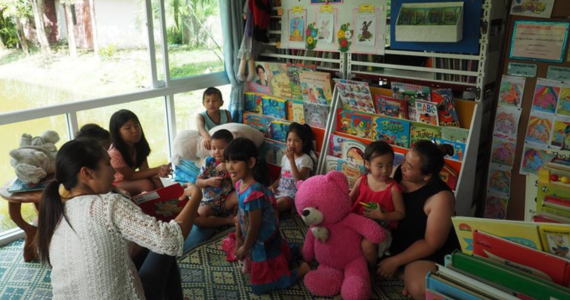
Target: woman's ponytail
{"points": [[50, 214]]}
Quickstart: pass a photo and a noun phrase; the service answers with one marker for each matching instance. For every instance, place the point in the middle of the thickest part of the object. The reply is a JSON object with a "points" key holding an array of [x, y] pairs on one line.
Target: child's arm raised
{"points": [[252, 233], [297, 174], [206, 138], [144, 171]]}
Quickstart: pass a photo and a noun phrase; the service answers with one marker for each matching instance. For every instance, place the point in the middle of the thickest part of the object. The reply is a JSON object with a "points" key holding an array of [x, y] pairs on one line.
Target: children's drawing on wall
{"points": [[499, 180], [532, 160], [545, 95], [296, 28], [563, 107], [533, 8], [561, 134], [326, 1], [503, 152], [506, 122], [366, 29], [511, 92], [325, 24], [496, 207], [539, 129]]}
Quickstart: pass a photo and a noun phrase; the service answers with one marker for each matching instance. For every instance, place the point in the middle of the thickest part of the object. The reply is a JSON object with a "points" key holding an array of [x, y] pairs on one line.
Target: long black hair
{"points": [[377, 148], [69, 160], [118, 119], [431, 156], [243, 149]]}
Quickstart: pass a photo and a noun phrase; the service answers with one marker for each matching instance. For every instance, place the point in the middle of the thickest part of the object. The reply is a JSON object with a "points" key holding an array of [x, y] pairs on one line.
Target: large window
{"points": [[189, 104]]}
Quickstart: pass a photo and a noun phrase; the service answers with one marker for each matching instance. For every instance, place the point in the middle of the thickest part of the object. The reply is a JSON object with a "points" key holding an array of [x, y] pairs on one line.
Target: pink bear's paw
{"points": [[324, 281], [356, 285]]}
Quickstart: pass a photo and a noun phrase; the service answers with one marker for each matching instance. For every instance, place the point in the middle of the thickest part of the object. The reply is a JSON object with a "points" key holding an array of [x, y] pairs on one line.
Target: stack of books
{"points": [[504, 260]]}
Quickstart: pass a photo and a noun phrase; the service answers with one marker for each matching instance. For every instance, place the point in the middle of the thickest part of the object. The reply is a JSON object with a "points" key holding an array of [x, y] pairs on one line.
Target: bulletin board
{"points": [[357, 26], [518, 195]]}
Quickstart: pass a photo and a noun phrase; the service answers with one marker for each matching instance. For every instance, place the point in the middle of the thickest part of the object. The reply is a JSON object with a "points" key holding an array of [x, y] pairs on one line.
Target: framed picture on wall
{"points": [[541, 41]]}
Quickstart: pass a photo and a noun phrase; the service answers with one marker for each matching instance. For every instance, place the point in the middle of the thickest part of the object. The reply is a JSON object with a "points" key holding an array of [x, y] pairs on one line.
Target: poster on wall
{"points": [[546, 95], [496, 206], [499, 180], [369, 23], [365, 27], [563, 108], [543, 41], [539, 129], [511, 91], [532, 8], [326, 1], [561, 134], [506, 122], [325, 25], [533, 159], [503, 152]]}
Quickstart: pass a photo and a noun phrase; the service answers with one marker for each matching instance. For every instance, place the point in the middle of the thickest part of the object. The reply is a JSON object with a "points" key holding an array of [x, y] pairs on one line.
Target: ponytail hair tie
{"points": [[63, 192]]}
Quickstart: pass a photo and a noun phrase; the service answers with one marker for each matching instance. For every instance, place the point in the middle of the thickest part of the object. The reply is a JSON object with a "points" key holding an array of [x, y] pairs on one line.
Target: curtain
{"points": [[232, 27]]}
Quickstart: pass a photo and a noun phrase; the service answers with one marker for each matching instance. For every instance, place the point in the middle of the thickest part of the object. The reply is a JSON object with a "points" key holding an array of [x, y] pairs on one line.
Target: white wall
{"points": [[117, 23]]}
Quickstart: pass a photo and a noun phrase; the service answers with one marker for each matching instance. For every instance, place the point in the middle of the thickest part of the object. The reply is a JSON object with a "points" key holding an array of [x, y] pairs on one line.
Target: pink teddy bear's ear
{"points": [[339, 178], [299, 183]]}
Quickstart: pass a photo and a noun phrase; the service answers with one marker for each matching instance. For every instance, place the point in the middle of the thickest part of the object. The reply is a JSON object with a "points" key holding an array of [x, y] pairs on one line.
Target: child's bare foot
{"points": [[303, 269]]}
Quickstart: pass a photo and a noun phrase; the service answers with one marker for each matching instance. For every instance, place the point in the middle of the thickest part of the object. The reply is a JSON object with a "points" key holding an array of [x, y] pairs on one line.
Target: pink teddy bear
{"points": [[334, 237]]}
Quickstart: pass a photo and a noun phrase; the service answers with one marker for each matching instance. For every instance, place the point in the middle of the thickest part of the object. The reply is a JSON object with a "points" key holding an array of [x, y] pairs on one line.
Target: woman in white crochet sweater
{"points": [[84, 231]]}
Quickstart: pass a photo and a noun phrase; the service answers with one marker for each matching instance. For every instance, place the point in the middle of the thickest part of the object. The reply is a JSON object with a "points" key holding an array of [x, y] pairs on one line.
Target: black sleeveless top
{"points": [[413, 227]]}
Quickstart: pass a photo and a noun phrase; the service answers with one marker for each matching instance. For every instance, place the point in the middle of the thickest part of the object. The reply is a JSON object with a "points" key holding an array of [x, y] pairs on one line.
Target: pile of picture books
{"points": [[19, 186], [162, 203], [505, 260]]}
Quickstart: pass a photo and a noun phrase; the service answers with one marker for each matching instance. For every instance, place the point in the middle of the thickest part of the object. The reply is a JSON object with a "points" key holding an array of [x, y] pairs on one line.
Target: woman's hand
{"points": [[387, 267], [375, 214]]}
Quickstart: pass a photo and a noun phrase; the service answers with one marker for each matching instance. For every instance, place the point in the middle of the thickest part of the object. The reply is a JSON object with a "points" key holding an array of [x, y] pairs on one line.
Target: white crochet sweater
{"points": [[91, 260]]}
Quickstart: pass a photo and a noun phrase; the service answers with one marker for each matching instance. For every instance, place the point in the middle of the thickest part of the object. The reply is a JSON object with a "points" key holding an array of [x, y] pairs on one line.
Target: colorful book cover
{"points": [[450, 289], [253, 102], [533, 159], [511, 91], [391, 107], [539, 129], [296, 111], [419, 131], [356, 123], [458, 148], [499, 179], [353, 151], [19, 186], [335, 145], [503, 152], [449, 176], [524, 233], [355, 95], [533, 262], [258, 122], [496, 206], [331, 163], [556, 239], [351, 170], [273, 151], [506, 122], [293, 71], [162, 203], [426, 112], [393, 131], [398, 158], [275, 107], [278, 130], [410, 93], [316, 87], [316, 115], [561, 134], [445, 107], [563, 107], [271, 79], [455, 134], [546, 95]]}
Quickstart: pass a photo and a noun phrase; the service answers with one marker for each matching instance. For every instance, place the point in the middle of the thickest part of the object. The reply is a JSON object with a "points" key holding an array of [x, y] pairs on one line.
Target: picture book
{"points": [[511, 91], [450, 289], [391, 107], [419, 131], [19, 186], [295, 111], [271, 79], [545, 217], [410, 93], [426, 112], [393, 131], [162, 203], [275, 107], [293, 71], [531, 261], [398, 159], [316, 87], [455, 134], [331, 163], [563, 107], [253, 102], [556, 239], [335, 145], [539, 129], [533, 159], [316, 115], [296, 27], [273, 151], [355, 95], [546, 95], [278, 130], [506, 122], [356, 123], [499, 179], [503, 152], [258, 122], [433, 295], [351, 170], [561, 134], [447, 115], [524, 233], [353, 151], [449, 176], [458, 148]]}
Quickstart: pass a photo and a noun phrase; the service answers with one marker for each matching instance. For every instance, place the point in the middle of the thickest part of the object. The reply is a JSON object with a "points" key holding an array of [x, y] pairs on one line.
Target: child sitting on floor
{"points": [[213, 116], [219, 197], [377, 196]]}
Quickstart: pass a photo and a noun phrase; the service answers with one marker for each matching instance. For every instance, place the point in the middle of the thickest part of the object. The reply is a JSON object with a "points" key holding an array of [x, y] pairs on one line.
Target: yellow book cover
{"points": [[524, 233], [555, 239]]}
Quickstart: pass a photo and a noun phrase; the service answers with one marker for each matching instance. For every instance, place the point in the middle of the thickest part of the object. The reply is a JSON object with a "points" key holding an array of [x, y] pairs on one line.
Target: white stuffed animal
{"points": [[35, 159], [188, 143]]}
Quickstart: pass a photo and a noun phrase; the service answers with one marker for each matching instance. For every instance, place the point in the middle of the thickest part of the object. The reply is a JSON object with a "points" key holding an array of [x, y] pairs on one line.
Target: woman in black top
{"points": [[425, 235]]}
